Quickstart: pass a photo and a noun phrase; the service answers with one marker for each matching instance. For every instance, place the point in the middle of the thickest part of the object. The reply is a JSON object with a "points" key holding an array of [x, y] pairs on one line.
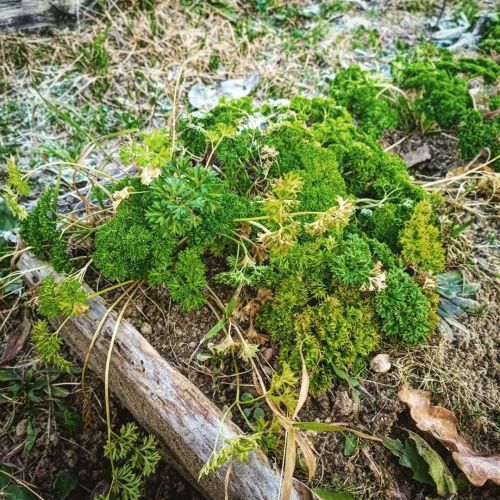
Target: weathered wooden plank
{"points": [[165, 402], [30, 14]]}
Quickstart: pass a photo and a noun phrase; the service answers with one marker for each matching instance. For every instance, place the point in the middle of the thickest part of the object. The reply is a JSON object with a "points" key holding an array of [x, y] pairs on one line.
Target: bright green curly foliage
{"points": [[142, 241], [193, 132], [67, 297], [126, 247], [279, 202], [477, 133], [187, 280], [436, 84], [352, 261], [406, 313], [490, 43], [443, 99], [332, 324], [39, 230], [330, 331], [48, 345], [354, 89], [421, 242], [319, 163]]}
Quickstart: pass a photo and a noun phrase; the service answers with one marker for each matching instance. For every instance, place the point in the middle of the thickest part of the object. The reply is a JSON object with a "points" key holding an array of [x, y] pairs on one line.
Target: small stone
{"points": [[343, 405], [21, 428], [324, 401], [54, 438], [146, 329], [70, 458], [192, 345], [381, 363], [267, 353]]}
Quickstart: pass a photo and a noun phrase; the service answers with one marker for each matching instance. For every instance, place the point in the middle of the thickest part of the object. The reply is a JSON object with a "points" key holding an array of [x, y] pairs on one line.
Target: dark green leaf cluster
{"points": [[442, 97], [238, 160], [181, 197], [472, 66], [477, 133], [490, 43], [385, 223], [193, 131], [39, 230], [406, 313], [186, 280], [131, 245], [218, 225], [352, 261], [354, 89], [126, 247]]}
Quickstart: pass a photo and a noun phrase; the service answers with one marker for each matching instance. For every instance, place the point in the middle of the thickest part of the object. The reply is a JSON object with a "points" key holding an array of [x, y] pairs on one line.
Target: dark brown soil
{"points": [[58, 450]]}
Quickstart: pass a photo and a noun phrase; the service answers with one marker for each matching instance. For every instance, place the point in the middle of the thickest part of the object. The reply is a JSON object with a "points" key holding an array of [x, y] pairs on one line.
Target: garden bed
{"points": [[167, 404], [286, 262]]}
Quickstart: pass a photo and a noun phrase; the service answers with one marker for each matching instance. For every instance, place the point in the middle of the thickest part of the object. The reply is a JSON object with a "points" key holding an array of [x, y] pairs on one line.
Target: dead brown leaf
{"points": [[16, 342], [254, 336], [443, 425]]}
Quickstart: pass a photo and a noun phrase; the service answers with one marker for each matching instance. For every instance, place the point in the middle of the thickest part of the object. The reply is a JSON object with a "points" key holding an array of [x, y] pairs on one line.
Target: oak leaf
{"points": [[442, 424]]}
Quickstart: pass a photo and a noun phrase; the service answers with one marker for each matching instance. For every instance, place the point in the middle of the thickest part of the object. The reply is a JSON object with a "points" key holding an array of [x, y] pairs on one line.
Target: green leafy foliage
{"points": [[388, 221], [420, 240], [490, 43], [405, 311], [187, 280], [237, 448], [39, 230], [354, 89], [65, 483], [181, 197], [154, 150], [126, 247], [67, 297], [48, 345], [477, 133], [9, 488], [333, 327], [15, 187], [442, 98], [410, 458], [352, 262], [133, 457], [438, 470], [278, 190]]}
